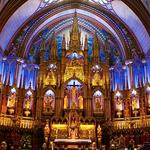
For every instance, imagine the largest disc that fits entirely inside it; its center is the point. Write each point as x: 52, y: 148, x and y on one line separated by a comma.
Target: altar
x: 73, y: 143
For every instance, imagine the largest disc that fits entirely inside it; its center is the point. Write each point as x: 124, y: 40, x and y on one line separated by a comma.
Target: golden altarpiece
x: 73, y: 92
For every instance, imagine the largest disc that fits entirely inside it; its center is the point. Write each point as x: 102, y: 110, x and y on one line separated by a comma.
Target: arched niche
x: 11, y: 103
x: 49, y: 101
x: 73, y: 94
x: 28, y: 103
x: 148, y: 99
x: 135, y: 105
x: 119, y: 105
x: 98, y: 102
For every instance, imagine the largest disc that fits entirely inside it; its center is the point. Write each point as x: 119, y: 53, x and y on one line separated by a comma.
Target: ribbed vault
x: 92, y: 17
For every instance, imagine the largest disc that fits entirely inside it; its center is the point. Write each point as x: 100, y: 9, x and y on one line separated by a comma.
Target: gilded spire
x: 86, y: 43
x: 63, y: 43
x: 53, y: 48
x: 43, y: 48
x: 86, y: 51
x: 63, y: 49
x: 106, y: 52
x: 75, y: 35
x: 96, y: 50
x: 75, y: 28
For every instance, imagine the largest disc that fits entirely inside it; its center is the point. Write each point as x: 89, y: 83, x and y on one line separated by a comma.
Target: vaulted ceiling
x: 124, y: 21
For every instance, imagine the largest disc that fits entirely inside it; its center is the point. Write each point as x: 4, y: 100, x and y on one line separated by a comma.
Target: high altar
x: 72, y: 124
x: 74, y: 104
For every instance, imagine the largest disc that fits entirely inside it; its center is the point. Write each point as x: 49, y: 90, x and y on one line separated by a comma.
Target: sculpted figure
x: 11, y: 100
x: 66, y: 102
x: 134, y: 103
x: 80, y: 98
x: 48, y: 100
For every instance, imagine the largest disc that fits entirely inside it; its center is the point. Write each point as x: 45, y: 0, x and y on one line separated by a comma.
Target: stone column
x: 59, y: 99
x: 88, y: 100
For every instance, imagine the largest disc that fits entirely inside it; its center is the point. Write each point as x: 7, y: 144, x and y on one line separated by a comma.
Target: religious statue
x: 118, y: 102
x: 74, y: 93
x: 73, y: 133
x: 80, y: 99
x: 28, y: 103
x: 97, y: 80
x: 134, y: 103
x: 11, y: 103
x: 73, y: 121
x: 148, y: 99
x: 11, y: 100
x: 48, y: 100
x: 98, y: 106
x: 66, y: 102
x: 99, y: 134
x: 119, y: 105
x: 46, y: 131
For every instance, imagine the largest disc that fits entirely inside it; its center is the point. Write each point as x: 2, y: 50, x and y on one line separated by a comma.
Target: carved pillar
x: 107, y: 100
x: 59, y: 99
x: 16, y: 102
x: 142, y: 101
x: 130, y: 76
x: 127, y: 107
x: 1, y: 86
x: 88, y: 100
x: 146, y: 100
x: 21, y: 95
x: 112, y: 105
x: 34, y: 105
x: 39, y: 103
x: 107, y: 93
x: 5, y: 92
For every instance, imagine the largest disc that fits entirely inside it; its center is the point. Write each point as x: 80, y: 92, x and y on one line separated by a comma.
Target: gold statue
x: 118, y: 104
x: 98, y: 106
x: 80, y: 99
x: 134, y: 103
x: 66, y: 102
x: 46, y: 131
x: 96, y: 80
x: 11, y: 101
x: 48, y: 100
x: 74, y: 92
x: 28, y: 104
x: 148, y: 99
x: 99, y: 134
